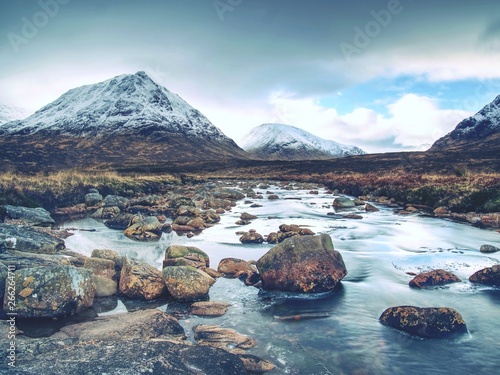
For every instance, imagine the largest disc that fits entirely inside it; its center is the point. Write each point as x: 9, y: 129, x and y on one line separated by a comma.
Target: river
x: 348, y: 339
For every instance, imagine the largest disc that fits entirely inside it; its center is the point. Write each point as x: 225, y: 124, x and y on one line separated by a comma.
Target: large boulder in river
x: 427, y: 322
x: 32, y: 216
x: 232, y: 266
x: 488, y: 249
x: 51, y: 291
x: 27, y: 239
x: 140, y: 280
x: 307, y: 264
x: 179, y: 251
x: 434, y: 278
x: 186, y: 283
x: 487, y: 276
x: 343, y: 202
x: 146, y: 229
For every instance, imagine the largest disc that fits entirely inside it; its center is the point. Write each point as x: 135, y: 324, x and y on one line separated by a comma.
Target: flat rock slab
x: 209, y: 308
x: 427, y: 322
x: 27, y: 239
x: 33, y: 216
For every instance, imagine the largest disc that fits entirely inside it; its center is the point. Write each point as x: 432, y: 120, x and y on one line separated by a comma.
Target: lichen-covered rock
x: 209, y: 308
x: 307, y: 264
x: 33, y: 216
x: 116, y: 201
x: 427, y: 322
x: 122, y: 221
x: 51, y: 291
x: 210, y: 216
x: 186, y: 283
x: 343, y: 202
x: 179, y: 251
x: 27, y: 239
x: 222, y: 337
x: 251, y: 237
x: 230, y: 194
x: 140, y: 280
x: 110, y: 255
x: 434, y: 278
x: 104, y: 276
x: 488, y: 249
x: 93, y: 199
x: 245, y: 216
x: 487, y: 276
x: 179, y: 201
x: 146, y: 229
x: 231, y: 266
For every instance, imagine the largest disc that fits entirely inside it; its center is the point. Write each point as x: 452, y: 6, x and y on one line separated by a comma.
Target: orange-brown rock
x: 434, y: 278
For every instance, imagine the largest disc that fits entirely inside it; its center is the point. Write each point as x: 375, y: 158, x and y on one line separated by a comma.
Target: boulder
x: 142, y: 324
x: 116, y: 201
x: 427, y: 322
x: 251, y: 237
x: 110, y: 255
x: 442, y: 211
x: 122, y: 221
x: 434, y: 278
x: 93, y: 199
x: 209, y: 308
x: 197, y: 223
x: 186, y: 283
x: 307, y: 264
x: 104, y: 276
x: 210, y: 216
x: 192, y: 259
x: 245, y: 216
x: 104, y: 286
x: 140, y: 280
x: 177, y: 202
x: 52, y: 291
x: 146, y: 229
x: 343, y: 202
x: 189, y: 211
x: 229, y: 194
x: 27, y: 239
x: 487, y: 276
x: 33, y: 216
x: 371, y: 208
x: 273, y: 197
x: 231, y: 266
x: 106, y: 212
x: 179, y: 251
x: 222, y: 337
x: 488, y: 249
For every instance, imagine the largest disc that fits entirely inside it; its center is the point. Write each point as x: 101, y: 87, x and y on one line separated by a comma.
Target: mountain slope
x: 8, y: 114
x: 127, y: 121
x: 480, y: 130
x: 285, y: 142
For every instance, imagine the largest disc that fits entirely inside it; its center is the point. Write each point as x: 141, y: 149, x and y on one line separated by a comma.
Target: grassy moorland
x: 464, y: 182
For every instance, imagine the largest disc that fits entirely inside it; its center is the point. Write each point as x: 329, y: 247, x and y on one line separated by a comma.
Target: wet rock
x: 33, y: 216
x: 433, y: 278
x: 442, y: 211
x: 256, y: 365
x: 52, y: 291
x: 487, y: 276
x: 93, y: 199
x: 210, y: 216
x: 249, y: 278
x: 343, y: 202
x: 307, y: 264
x: 209, y: 308
x: 147, y: 229
x: 140, y: 280
x: 245, y: 216
x: 230, y: 194
x: 110, y: 255
x: 182, y: 220
x: 371, y: 208
x: 188, y: 211
x: 186, y: 283
x: 122, y: 221
x: 142, y: 324
x: 231, y: 266
x: 222, y: 337
x: 488, y: 249
x: 179, y: 251
x: 251, y: 237
x: 273, y: 197
x: 352, y: 216
x: 430, y: 322
x: 116, y: 201
x: 197, y: 223
x: 27, y: 239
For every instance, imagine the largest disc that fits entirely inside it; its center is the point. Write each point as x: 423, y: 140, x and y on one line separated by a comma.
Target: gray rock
x: 52, y: 291
x: 33, y: 216
x: 343, y: 202
x: 27, y: 239
x: 116, y: 201
x: 93, y: 199
x: 122, y: 221
x: 488, y: 249
x: 230, y: 194
x: 306, y: 264
x: 146, y: 229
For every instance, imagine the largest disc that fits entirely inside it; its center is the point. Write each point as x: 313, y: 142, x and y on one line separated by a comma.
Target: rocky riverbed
x: 237, y: 277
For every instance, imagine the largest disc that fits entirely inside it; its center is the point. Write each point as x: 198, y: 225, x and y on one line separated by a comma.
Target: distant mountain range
x: 481, y: 131
x: 126, y: 121
x: 8, y: 114
x: 285, y: 142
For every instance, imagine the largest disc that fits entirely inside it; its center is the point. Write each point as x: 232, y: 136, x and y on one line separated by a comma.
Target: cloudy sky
x: 383, y: 75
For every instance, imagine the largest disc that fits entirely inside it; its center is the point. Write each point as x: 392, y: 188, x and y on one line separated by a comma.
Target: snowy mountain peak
x: 279, y: 141
x: 484, y: 125
x: 8, y: 114
x: 129, y: 103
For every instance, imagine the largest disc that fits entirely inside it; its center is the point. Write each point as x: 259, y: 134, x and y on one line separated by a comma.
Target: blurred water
x: 346, y: 336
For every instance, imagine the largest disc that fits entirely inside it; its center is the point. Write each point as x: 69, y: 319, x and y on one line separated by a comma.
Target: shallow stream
x: 348, y: 338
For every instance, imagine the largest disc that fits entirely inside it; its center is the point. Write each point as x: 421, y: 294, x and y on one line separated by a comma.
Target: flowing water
x: 347, y: 337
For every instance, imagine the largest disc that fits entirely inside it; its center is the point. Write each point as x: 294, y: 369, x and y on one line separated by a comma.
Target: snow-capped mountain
x: 127, y: 120
x: 483, y: 127
x: 8, y: 114
x: 285, y: 142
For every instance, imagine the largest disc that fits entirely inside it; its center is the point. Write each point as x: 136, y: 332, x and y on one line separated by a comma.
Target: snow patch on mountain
x: 283, y: 139
x: 124, y: 104
x: 8, y: 114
